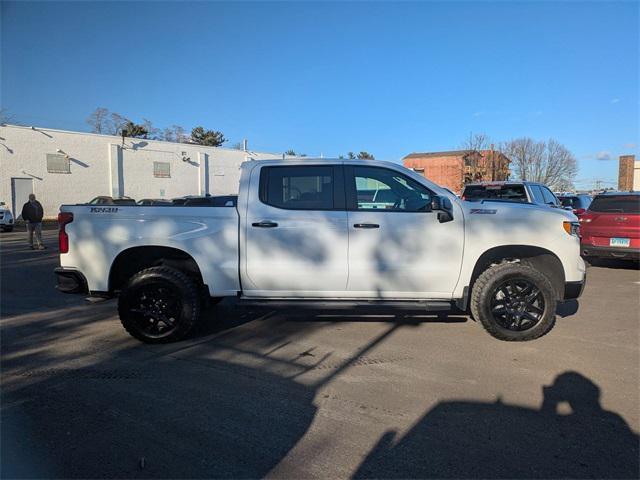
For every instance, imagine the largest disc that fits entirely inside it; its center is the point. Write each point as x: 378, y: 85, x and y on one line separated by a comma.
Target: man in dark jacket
x: 32, y: 213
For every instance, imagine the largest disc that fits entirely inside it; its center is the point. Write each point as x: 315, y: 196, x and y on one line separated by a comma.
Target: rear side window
x: 573, y: 202
x: 616, y: 204
x: 513, y: 193
x: 298, y: 187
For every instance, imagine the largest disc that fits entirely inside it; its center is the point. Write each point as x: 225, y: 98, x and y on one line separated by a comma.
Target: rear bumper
x: 71, y: 281
x: 610, y: 252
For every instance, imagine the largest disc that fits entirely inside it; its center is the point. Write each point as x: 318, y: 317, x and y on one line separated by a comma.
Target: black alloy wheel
x: 517, y: 304
x: 158, y: 310
x: 160, y: 305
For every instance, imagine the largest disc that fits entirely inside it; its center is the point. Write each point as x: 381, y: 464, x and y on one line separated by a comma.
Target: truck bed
x: 99, y: 235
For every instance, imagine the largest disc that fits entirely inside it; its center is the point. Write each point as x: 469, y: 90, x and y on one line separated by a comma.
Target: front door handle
x: 366, y: 225
x: 264, y: 224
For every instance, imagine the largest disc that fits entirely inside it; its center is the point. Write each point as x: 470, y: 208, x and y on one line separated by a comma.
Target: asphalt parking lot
x: 314, y: 395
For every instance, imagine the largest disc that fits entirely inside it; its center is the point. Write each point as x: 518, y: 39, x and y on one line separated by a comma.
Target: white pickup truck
x: 325, y: 232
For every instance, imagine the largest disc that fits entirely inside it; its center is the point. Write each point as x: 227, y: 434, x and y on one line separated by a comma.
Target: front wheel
x: 514, y: 302
x: 159, y: 305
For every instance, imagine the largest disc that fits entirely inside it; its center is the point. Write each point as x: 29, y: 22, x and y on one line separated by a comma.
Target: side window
x: 549, y: 197
x: 537, y: 194
x: 297, y: 187
x: 383, y: 189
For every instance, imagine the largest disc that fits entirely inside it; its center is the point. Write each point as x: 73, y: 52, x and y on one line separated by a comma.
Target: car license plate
x: 619, y: 242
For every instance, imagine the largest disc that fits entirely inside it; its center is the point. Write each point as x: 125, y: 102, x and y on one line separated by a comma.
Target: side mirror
x: 443, y: 206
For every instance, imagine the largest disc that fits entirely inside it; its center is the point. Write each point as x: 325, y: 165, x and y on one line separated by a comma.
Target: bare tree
x: 476, y: 142
x: 180, y: 134
x: 474, y: 145
x: 548, y: 162
x: 99, y: 120
x: 116, y: 123
x: 153, y: 133
x: 168, y: 135
x: 174, y: 133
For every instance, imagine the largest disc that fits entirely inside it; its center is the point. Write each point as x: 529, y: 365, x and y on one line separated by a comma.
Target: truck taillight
x: 63, y: 239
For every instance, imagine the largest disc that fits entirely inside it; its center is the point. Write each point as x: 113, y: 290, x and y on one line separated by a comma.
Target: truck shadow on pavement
x: 462, y: 439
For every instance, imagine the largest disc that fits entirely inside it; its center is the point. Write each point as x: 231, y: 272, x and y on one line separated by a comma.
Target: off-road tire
x: 186, y: 289
x: 485, y: 287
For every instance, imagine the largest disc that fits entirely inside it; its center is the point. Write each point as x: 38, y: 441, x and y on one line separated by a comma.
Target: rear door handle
x: 366, y: 225
x: 264, y: 224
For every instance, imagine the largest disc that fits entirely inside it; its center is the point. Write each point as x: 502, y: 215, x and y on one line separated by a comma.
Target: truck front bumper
x: 573, y: 290
x: 71, y: 281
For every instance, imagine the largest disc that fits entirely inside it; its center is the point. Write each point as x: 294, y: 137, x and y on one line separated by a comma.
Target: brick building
x: 455, y: 168
x: 628, y: 173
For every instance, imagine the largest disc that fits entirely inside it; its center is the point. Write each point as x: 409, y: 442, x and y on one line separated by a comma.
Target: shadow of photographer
x: 495, y: 440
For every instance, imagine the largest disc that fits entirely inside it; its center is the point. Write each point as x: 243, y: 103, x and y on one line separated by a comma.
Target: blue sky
x: 331, y: 77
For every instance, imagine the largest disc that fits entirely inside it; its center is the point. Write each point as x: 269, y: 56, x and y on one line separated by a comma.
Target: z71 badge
x: 104, y: 209
x: 483, y: 211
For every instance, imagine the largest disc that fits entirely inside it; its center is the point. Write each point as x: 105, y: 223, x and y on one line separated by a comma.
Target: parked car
x: 206, y: 201
x: 610, y: 228
x: 6, y: 218
x: 106, y: 200
x: 154, y: 201
x: 301, y: 235
x: 577, y: 203
x: 522, y: 192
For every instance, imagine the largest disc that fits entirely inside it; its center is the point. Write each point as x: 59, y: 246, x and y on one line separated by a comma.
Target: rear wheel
x: 159, y: 305
x: 514, y: 302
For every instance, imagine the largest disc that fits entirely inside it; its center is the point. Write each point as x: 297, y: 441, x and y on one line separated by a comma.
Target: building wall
x: 102, y: 165
x: 444, y: 171
x: 451, y: 171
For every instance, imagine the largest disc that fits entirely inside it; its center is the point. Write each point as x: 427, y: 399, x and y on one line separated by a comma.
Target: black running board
x: 331, y: 304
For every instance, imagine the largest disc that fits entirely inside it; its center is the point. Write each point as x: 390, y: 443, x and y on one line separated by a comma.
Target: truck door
x: 295, y: 232
x: 397, y: 248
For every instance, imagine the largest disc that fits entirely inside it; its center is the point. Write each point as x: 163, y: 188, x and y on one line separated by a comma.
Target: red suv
x: 610, y: 228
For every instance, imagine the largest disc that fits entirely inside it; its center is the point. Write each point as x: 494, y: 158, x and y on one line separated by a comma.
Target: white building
x: 73, y: 167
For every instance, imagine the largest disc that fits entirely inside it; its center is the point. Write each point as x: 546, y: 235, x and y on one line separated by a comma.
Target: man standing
x: 32, y: 213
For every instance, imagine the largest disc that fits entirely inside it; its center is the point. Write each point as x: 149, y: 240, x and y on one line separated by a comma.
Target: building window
x: 162, y: 169
x: 57, y: 163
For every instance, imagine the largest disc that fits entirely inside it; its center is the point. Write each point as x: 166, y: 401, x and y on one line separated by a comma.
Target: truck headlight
x: 572, y: 228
